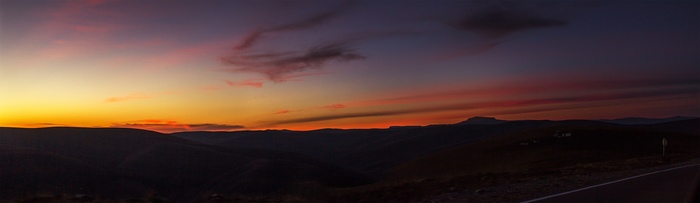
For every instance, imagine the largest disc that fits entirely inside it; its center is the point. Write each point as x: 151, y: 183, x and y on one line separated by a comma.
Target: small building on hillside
x: 560, y: 134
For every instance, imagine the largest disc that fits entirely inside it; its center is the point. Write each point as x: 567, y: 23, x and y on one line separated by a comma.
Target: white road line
x: 589, y: 187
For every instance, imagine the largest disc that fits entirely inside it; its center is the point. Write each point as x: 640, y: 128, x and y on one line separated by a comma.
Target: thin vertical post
x: 663, y: 149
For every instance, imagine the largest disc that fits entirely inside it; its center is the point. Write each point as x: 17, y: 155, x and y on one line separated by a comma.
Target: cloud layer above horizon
x: 232, y: 65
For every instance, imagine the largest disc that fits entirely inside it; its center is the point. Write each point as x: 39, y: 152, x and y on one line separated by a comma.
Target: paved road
x: 672, y: 185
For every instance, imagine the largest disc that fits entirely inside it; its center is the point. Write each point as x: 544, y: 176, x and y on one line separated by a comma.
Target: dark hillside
x: 370, y: 152
x: 121, y: 164
x: 538, y: 148
x: 539, y: 155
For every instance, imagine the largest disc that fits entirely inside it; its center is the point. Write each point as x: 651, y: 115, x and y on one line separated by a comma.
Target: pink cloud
x: 75, y: 28
x: 167, y: 126
x: 88, y: 27
x: 299, y: 77
x: 127, y: 97
x: 334, y: 106
x: 282, y: 111
x: 247, y: 83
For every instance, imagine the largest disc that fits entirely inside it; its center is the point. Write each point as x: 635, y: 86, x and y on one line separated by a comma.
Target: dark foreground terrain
x: 480, y: 159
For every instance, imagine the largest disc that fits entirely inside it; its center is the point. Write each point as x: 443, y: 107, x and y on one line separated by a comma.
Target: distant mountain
x: 645, y: 121
x: 481, y: 121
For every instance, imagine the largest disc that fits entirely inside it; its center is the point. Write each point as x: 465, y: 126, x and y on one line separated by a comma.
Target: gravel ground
x: 531, y: 185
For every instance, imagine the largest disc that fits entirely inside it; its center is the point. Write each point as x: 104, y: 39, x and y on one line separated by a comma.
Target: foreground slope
x: 539, y: 148
x: 509, y: 166
x: 128, y: 163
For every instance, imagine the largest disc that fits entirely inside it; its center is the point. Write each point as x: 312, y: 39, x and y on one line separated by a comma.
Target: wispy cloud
x: 306, y: 23
x: 493, y: 23
x: 275, y: 66
x: 40, y: 125
x: 247, y: 83
x: 127, y: 97
x: 215, y: 127
x: 626, y: 92
x: 300, y: 77
x: 331, y: 107
x: 174, y: 126
x: 553, y: 84
x: 280, y: 66
x: 334, y: 106
x: 496, y: 22
x: 283, y: 111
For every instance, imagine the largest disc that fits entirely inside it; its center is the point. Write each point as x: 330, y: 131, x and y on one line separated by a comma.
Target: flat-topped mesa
x: 480, y: 120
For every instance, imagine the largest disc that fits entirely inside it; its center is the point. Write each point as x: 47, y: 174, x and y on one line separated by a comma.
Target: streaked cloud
x: 573, y: 100
x: 247, y: 83
x: 283, y: 111
x: 309, y: 22
x: 276, y: 65
x: 539, y: 85
x: 41, y: 125
x: 174, y: 126
x: 127, y: 97
x: 331, y: 107
x: 280, y: 65
x: 495, y: 22
x: 334, y: 106
x: 499, y: 21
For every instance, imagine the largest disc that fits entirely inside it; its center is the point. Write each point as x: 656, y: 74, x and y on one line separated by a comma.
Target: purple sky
x: 228, y: 65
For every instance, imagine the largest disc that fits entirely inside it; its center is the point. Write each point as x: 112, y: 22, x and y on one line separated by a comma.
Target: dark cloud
x: 249, y: 40
x: 496, y: 22
x: 340, y: 116
x: 174, y: 126
x: 276, y: 65
x: 209, y: 126
x: 34, y: 125
x: 306, y: 23
x: 493, y: 21
x: 579, y: 101
x: 279, y: 66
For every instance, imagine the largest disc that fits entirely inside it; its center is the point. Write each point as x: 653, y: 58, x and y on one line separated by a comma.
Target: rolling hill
x: 537, y: 149
x: 130, y: 164
x: 323, y: 165
x: 370, y: 152
x: 590, y: 148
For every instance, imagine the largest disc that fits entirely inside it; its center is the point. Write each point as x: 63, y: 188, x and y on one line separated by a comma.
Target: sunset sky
x: 234, y: 65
